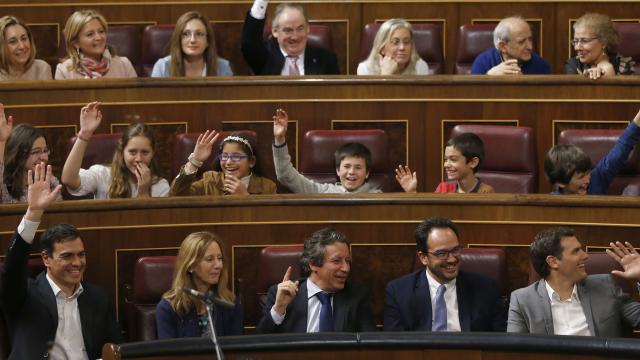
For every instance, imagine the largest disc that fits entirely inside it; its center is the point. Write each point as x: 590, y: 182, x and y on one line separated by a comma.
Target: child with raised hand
x: 353, y: 161
x: 237, y: 170
x: 21, y: 149
x: 569, y: 169
x: 132, y: 172
x: 463, y: 156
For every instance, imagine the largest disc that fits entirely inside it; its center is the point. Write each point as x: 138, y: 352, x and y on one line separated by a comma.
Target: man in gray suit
x: 568, y: 302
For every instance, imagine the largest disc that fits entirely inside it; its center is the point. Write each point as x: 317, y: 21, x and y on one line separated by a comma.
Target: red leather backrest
x: 510, y: 163
x: 472, y: 40
x: 152, y: 277
x: 100, y: 149
x: 630, y: 42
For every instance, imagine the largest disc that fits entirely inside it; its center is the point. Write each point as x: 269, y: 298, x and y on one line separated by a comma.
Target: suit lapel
x: 545, y: 305
x: 464, y: 303
x: 585, y: 301
x: 421, y: 303
x: 300, y: 309
x: 341, y: 310
x: 310, y: 62
x: 48, y: 298
x: 86, y: 320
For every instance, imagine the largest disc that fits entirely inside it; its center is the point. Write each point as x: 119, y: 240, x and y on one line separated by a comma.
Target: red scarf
x: 92, y: 69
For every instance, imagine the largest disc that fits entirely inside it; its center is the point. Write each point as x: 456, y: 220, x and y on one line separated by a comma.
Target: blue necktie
x: 440, y: 315
x: 326, y: 312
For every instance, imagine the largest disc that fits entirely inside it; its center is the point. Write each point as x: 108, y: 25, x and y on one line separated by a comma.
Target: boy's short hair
x: 470, y: 145
x: 563, y: 161
x: 353, y: 150
x: 56, y: 234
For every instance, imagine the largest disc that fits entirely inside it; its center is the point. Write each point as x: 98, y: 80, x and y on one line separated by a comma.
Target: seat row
x: 510, y: 164
x: 145, y: 49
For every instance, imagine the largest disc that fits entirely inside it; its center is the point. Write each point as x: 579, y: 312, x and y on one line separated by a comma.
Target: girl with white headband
x: 236, y: 171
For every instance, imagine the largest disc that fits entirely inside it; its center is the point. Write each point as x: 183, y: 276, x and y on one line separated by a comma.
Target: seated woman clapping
x: 394, y: 52
x: 132, y: 173
x: 18, y: 52
x: 237, y: 170
x: 199, y: 266
x: 193, y: 50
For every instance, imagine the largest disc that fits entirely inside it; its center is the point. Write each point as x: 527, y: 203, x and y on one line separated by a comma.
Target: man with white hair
x: 513, y: 52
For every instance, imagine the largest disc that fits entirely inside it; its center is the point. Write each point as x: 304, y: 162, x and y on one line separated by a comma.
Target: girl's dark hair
x: 249, y: 150
x: 16, y: 153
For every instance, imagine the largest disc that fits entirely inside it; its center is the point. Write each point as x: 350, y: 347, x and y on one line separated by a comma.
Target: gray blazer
x: 609, y: 311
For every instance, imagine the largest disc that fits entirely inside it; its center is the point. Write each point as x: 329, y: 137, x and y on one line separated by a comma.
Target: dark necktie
x: 440, y: 315
x: 326, y: 312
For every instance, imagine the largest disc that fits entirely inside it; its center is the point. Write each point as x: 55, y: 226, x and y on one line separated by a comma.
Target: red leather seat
x: 630, y: 42
x: 472, y: 40
x: 152, y: 277
x: 126, y: 39
x: 428, y: 40
x: 596, y: 143
x: 318, y: 146
x: 491, y: 263
x: 319, y: 36
x: 273, y: 263
x: 185, y: 143
x: 510, y: 164
x: 597, y: 263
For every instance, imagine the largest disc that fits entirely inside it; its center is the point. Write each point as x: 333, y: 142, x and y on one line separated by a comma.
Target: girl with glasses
x: 133, y: 172
x: 193, y: 50
x: 21, y: 148
x: 594, y: 41
x: 236, y: 169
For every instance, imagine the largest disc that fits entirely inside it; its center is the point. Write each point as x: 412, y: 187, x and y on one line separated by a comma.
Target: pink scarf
x: 92, y: 69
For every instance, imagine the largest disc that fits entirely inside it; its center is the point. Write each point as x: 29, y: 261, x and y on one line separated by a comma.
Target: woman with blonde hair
x: 18, y: 52
x: 595, y: 39
x: 394, y: 52
x: 133, y: 172
x: 193, y: 50
x: 199, y: 266
x: 88, y: 54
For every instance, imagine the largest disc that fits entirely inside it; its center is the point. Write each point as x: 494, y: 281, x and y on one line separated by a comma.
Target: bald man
x: 513, y: 52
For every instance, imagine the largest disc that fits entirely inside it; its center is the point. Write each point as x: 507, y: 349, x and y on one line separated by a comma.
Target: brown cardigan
x: 212, y: 183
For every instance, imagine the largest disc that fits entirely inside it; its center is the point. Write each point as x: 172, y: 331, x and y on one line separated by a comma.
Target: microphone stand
x: 212, y: 329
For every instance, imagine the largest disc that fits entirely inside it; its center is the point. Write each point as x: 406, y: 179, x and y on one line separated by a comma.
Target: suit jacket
x: 609, y: 311
x: 170, y: 324
x: 408, y: 303
x: 351, y: 311
x: 265, y: 58
x: 32, y: 315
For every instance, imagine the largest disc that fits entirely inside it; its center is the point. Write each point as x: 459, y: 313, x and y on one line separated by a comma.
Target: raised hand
x: 143, y: 176
x: 6, y: 124
x: 90, y: 118
x: 204, y: 145
x: 627, y: 256
x: 507, y: 67
x: 235, y: 186
x: 286, y: 292
x: 407, y: 179
x: 280, y: 121
x: 39, y: 193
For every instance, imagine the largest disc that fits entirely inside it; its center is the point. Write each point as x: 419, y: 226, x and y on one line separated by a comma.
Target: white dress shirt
x: 568, y: 316
x: 69, y: 338
x: 300, y: 63
x: 313, y: 309
x: 450, y: 297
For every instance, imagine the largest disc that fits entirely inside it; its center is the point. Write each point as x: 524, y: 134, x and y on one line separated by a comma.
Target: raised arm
x: 407, y: 179
x: 90, y: 118
x: 627, y: 256
x: 280, y: 123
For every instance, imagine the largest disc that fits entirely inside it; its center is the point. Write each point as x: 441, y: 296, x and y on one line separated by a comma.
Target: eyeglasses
x: 38, y: 152
x: 582, y: 41
x: 444, y: 254
x: 186, y: 35
x: 232, y: 156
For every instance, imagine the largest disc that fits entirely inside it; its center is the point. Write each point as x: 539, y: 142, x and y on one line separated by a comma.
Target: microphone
x: 208, y: 298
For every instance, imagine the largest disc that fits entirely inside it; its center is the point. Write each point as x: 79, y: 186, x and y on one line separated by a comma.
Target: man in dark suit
x: 441, y: 298
x: 287, y: 53
x: 568, y: 302
x: 324, y: 301
x: 56, y: 315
